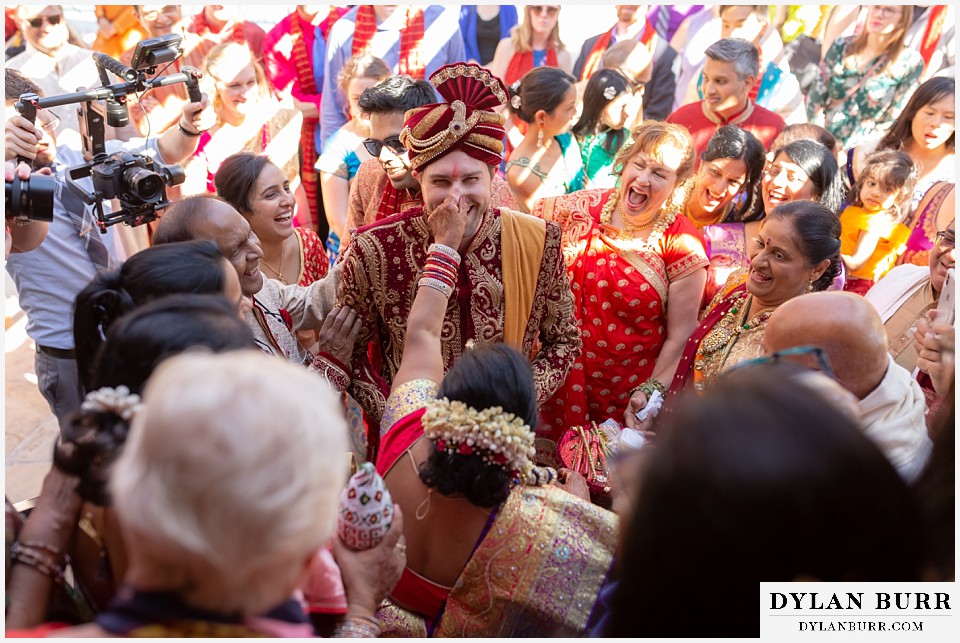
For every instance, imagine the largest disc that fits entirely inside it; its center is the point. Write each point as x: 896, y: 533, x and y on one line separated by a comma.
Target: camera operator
x: 22, y: 236
x: 49, y: 278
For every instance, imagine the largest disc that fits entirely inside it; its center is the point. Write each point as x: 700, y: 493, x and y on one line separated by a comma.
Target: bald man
x: 847, y: 327
x: 278, y: 310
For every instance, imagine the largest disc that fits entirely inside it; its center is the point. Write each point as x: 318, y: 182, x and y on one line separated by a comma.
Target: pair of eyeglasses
x: 798, y: 354
x: 541, y: 9
x: 48, y: 120
x: 37, y: 22
x: 946, y: 239
x: 153, y: 14
x: 888, y: 11
x: 392, y: 143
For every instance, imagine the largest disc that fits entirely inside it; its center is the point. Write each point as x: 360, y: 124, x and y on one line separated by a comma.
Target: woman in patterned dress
x: 485, y: 528
x: 865, y: 80
x: 629, y: 250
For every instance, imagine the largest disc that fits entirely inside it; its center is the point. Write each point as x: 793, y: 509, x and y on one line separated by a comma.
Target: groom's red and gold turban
x: 464, y: 123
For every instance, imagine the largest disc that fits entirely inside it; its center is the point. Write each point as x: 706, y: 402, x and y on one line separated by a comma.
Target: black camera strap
x: 86, y: 228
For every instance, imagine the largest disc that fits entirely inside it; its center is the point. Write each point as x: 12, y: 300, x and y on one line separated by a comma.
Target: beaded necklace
x: 716, y: 346
x: 663, y: 220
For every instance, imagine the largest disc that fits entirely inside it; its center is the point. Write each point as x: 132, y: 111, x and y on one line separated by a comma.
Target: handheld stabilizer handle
x: 27, y: 107
x: 115, y: 66
x: 193, y: 84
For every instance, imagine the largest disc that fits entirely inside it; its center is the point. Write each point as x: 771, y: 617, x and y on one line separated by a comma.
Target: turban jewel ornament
x: 465, y: 122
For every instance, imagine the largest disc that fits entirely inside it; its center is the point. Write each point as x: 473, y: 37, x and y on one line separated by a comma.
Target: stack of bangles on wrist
x: 46, y: 559
x: 649, y: 387
x: 440, y: 270
x: 357, y: 627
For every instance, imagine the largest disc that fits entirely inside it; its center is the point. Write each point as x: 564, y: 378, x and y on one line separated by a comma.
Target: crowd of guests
x: 725, y: 229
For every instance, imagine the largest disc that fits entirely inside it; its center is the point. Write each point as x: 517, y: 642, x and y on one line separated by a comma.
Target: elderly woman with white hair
x: 219, y: 547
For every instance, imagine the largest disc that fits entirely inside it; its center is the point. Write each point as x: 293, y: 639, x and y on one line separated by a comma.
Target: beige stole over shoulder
x: 521, y: 243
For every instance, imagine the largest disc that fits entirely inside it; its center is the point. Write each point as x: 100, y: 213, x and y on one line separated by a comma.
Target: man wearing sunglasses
x: 891, y: 404
x: 384, y: 185
x: 57, y: 66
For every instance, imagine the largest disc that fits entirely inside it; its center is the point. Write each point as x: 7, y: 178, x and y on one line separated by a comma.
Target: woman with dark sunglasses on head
x: 535, y: 42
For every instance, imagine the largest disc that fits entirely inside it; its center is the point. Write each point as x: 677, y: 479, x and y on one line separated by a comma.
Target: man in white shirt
x: 53, y: 63
x: 846, y: 326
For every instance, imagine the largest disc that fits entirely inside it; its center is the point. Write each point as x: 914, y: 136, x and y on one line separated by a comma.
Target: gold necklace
x: 630, y: 227
x: 606, y: 215
x: 278, y: 273
x: 703, y: 224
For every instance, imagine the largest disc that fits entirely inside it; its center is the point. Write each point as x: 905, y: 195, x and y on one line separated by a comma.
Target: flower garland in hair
x: 119, y: 401
x: 501, y: 439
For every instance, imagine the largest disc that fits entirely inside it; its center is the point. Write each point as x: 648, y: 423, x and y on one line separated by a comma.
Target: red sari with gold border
x: 620, y: 298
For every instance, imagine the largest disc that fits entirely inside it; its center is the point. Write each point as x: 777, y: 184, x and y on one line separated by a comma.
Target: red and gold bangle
x: 446, y: 260
x: 435, y: 273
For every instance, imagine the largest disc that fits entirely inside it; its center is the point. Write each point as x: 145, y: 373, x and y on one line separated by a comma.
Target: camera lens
x: 31, y: 198
x: 144, y: 184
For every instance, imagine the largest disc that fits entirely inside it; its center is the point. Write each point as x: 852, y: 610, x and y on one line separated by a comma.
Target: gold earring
x: 540, y: 135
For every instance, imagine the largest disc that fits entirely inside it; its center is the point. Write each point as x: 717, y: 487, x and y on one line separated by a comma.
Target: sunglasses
x: 392, y: 143
x: 797, y: 355
x: 946, y: 239
x: 48, y: 120
x: 37, y: 22
x: 541, y: 9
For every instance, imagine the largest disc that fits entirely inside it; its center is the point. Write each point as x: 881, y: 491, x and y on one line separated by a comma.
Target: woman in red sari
x: 629, y: 250
x: 487, y: 528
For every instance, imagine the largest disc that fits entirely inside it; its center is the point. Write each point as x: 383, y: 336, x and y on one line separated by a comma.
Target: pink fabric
x: 398, y: 439
x: 323, y: 592
x: 278, y: 58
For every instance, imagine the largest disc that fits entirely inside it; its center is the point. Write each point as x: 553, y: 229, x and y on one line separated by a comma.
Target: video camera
x: 135, y: 180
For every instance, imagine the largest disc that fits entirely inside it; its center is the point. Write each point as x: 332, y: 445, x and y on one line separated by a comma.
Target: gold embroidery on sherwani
x: 380, y: 280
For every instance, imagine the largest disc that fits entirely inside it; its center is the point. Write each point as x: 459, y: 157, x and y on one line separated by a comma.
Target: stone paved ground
x: 29, y: 426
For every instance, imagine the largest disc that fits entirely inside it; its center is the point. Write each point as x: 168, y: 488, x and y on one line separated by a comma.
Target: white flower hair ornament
x: 515, y: 90
x: 499, y: 438
x: 609, y: 92
x: 119, y: 401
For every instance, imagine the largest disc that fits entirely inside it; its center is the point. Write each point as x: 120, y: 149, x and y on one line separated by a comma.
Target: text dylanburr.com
x: 802, y: 610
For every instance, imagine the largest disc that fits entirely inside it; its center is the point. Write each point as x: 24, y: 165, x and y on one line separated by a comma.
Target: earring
x: 540, y: 135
